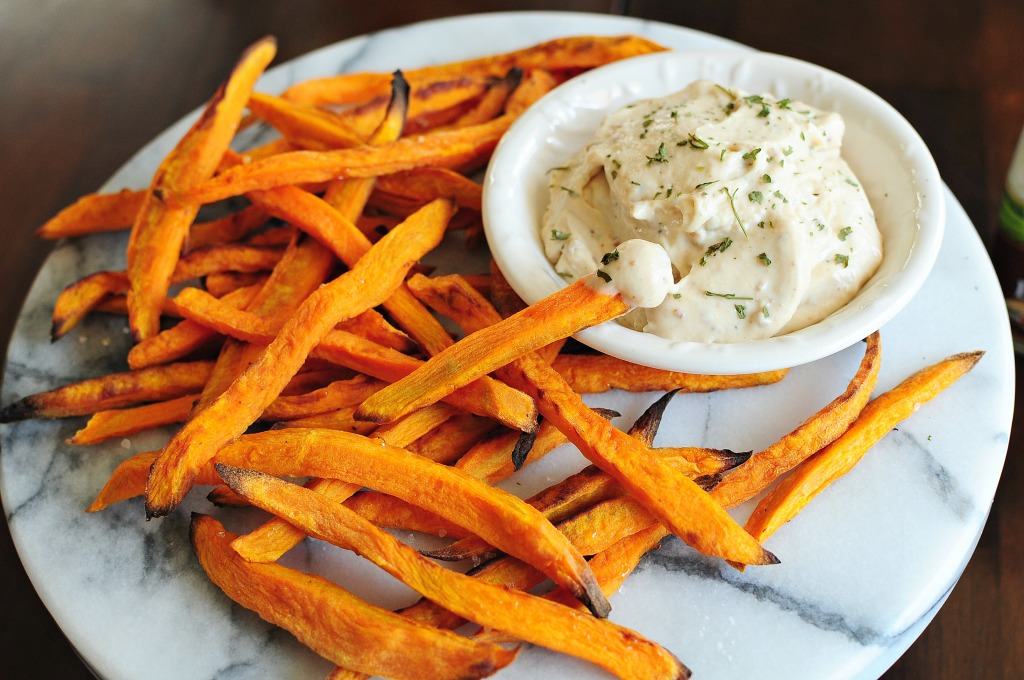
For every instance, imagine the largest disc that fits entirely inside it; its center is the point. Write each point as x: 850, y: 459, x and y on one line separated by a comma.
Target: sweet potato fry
x: 104, y: 425
x: 336, y: 624
x: 661, y: 487
x: 499, y: 517
x: 445, y: 148
x: 303, y: 126
x: 815, y: 433
x: 367, y: 284
x: 373, y: 326
x: 484, y: 396
x: 233, y: 257
x: 322, y: 221
x: 493, y: 100
x: 334, y: 396
x: 532, y: 619
x: 589, y: 373
x: 276, y: 537
x: 591, y: 486
x: 577, y: 52
x: 114, y: 390
x: 425, y: 184
x: 86, y: 294
x: 603, y: 643
x: 184, y: 338
x: 339, y: 419
x: 557, y: 316
x: 81, y: 297
x: 391, y: 513
x: 533, y: 86
x: 159, y: 229
x: 877, y: 419
x: 403, y: 433
x: 226, y: 229
x: 302, y: 269
x: 274, y: 236
x: 220, y: 284
x: 816, y: 428
x: 431, y: 104
x: 95, y: 213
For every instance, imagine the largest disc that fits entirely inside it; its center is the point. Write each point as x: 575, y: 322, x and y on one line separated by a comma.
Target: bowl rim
x: 537, y: 279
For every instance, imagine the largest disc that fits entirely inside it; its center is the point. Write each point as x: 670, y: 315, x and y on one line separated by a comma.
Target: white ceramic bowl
x: 890, y: 159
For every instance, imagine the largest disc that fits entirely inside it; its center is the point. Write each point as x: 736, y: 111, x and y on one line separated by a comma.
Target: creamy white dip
x: 766, y: 227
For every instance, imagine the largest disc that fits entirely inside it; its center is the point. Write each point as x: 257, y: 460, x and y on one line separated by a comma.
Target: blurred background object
x: 86, y: 84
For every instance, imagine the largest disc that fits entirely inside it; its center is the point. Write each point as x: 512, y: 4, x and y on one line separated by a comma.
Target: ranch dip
x: 764, y: 225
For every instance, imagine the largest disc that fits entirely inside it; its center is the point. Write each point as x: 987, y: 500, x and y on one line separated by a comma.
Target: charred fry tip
x: 19, y: 410
x: 768, y: 558
x: 592, y: 597
x: 971, y: 357
x: 709, y: 482
x: 733, y: 459
x: 235, y: 477
x: 514, y: 77
x: 607, y: 413
x: 444, y: 554
x: 399, y: 94
x: 56, y: 330
x: 646, y: 426
x: 524, y: 444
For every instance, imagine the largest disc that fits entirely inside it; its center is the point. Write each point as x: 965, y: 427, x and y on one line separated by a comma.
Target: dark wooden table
x: 87, y: 83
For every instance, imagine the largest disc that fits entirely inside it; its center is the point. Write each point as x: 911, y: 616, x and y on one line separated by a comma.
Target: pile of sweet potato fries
x: 309, y: 317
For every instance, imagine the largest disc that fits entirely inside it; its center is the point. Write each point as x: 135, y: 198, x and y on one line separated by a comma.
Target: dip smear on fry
x: 766, y: 225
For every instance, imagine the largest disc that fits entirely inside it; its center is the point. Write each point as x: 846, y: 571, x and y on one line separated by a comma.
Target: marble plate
x: 863, y: 570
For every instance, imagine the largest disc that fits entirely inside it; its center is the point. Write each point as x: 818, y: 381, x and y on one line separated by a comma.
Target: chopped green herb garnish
x: 802, y: 138
x: 727, y: 296
x: 560, y: 167
x: 752, y: 154
x: 677, y: 295
x: 568, y: 191
x: 604, y: 276
x: 660, y: 157
x: 851, y: 182
x: 559, y: 235
x: 714, y: 249
x: 755, y: 196
x: 764, y: 259
x: 634, y: 183
x: 764, y: 312
x: 753, y: 99
x: 615, y: 173
x: 565, y: 275
x: 787, y: 151
x: 820, y: 225
x: 766, y: 178
x: 763, y: 113
x: 735, y: 214
x: 721, y: 156
x: 704, y: 184
x: 844, y: 232
x: 843, y: 260
x: 697, y: 143
x: 741, y: 311
x: 608, y: 258
x: 673, y: 114
x: 778, y: 194
x: 726, y: 90
x: 784, y: 103
x: 648, y: 121
x: 668, y: 194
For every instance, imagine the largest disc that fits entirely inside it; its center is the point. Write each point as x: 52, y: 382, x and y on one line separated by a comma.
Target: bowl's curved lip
x: 533, y: 277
